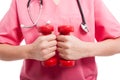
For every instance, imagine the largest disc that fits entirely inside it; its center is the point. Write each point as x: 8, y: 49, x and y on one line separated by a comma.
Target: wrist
x: 26, y: 51
x: 89, y: 49
x: 97, y: 49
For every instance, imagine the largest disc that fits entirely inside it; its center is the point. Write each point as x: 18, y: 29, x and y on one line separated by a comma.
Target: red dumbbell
x: 65, y: 30
x: 46, y: 30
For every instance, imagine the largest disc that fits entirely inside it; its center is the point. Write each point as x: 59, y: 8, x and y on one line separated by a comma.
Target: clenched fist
x: 43, y: 48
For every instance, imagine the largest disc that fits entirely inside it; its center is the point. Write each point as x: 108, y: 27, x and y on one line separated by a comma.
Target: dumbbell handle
x: 66, y: 30
x: 46, y: 30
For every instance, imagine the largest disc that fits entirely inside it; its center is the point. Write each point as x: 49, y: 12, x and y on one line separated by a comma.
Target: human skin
x: 72, y: 48
x: 69, y: 47
x: 41, y: 49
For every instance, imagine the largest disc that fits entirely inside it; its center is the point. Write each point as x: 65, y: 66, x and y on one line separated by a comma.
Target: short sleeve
x: 106, y: 26
x: 10, y: 32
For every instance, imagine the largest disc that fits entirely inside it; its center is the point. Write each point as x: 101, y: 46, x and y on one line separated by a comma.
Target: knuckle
x: 66, y: 51
x: 55, y: 42
x: 53, y: 36
x: 53, y: 53
x: 68, y: 57
x: 43, y: 45
x: 68, y: 45
x: 54, y: 48
x: 67, y: 38
x: 44, y: 51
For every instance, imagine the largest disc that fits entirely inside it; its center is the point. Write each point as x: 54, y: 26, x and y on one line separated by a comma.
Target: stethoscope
x: 83, y: 24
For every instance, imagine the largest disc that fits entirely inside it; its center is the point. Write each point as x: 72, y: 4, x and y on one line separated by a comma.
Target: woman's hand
x: 71, y: 48
x: 43, y: 48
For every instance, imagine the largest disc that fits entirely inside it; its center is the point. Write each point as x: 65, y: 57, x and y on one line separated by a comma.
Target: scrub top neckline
x: 56, y: 2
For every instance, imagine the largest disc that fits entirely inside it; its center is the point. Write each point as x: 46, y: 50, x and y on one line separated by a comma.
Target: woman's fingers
x: 46, y: 57
x: 48, y: 50
x: 62, y: 38
x: 47, y: 37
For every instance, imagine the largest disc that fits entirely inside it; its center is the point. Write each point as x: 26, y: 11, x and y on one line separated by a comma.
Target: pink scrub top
x: 101, y: 24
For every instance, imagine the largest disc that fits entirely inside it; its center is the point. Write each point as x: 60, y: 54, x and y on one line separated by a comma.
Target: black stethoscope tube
x: 81, y: 12
x: 28, y: 4
x: 83, y: 24
x: 28, y: 8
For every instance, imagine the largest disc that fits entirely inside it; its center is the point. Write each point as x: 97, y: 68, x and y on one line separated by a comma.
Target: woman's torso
x: 65, y: 13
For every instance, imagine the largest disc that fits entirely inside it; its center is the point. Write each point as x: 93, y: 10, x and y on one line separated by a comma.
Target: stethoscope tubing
x: 83, y: 25
x: 40, y: 11
x: 28, y: 4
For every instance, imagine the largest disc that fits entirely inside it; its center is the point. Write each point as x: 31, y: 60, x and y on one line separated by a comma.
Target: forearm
x: 9, y: 52
x: 41, y: 49
x: 105, y: 48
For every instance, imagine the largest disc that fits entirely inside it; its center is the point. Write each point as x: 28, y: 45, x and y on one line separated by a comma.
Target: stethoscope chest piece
x: 84, y: 28
x: 83, y: 24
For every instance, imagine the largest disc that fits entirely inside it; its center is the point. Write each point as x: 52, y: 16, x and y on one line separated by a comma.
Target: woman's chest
x: 66, y: 12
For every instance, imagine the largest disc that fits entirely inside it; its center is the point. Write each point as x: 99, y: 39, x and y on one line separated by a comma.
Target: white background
x: 108, y: 67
